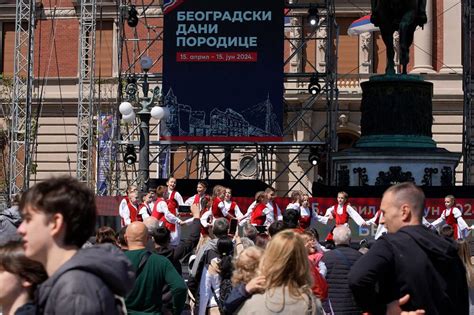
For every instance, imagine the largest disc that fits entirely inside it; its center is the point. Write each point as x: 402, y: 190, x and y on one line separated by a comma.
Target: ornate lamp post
x: 148, y: 107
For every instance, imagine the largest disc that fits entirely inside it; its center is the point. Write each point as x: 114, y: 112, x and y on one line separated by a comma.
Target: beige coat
x: 279, y: 301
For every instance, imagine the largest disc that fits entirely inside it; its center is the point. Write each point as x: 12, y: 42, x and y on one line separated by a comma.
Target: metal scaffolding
x: 85, y: 108
x: 468, y: 123
x: 266, y: 161
x: 20, y: 128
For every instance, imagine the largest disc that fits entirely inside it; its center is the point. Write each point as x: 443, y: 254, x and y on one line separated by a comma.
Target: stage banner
x: 223, y: 70
x: 105, y: 152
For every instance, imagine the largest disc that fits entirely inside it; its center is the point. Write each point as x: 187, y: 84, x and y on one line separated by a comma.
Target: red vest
x: 341, y: 218
x: 133, y: 211
x: 451, y: 220
x: 205, y: 231
x: 172, y: 203
x: 197, y: 199
x: 305, y: 221
x: 232, y: 209
x: 143, y: 204
x: 216, y: 212
x: 161, y: 216
x: 258, y: 216
x: 155, y: 213
x: 275, y: 211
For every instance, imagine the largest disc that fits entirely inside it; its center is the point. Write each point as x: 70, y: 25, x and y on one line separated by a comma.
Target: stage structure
x: 269, y: 162
x: 20, y: 110
x: 85, y: 106
x: 468, y: 87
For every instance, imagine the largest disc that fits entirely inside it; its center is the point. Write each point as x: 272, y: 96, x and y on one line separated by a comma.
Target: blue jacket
x: 236, y: 299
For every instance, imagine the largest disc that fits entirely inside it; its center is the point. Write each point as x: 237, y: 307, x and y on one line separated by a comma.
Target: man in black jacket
x: 162, y: 239
x: 409, y: 260
x: 339, y: 262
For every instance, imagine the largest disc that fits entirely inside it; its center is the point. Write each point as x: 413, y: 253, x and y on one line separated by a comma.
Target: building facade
x: 436, y: 55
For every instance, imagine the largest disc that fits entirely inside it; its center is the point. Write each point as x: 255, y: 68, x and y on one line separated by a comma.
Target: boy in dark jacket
x: 58, y: 218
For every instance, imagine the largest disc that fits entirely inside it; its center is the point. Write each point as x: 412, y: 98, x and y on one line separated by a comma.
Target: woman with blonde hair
x: 464, y: 252
x: 288, y: 280
x: 245, y: 279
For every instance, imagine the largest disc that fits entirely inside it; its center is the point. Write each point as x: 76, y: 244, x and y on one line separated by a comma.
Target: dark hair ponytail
x: 225, y: 248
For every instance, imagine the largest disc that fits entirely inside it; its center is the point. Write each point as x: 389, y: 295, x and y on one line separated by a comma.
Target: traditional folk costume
x: 381, y: 229
x: 144, y: 211
x: 128, y: 212
x: 165, y: 211
x: 309, y: 217
x: 273, y: 214
x: 453, y: 217
x: 205, y: 213
x: 341, y: 216
x: 259, y: 214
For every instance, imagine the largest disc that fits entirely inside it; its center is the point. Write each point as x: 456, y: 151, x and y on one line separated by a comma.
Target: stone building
x: 436, y: 55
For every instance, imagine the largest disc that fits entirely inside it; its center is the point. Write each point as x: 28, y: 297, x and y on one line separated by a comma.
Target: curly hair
x: 246, y: 265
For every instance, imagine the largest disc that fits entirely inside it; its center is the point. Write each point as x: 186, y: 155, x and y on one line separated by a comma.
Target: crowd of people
x: 260, y: 260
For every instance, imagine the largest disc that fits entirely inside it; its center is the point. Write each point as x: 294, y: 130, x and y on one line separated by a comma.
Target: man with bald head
x: 409, y: 260
x: 153, y: 272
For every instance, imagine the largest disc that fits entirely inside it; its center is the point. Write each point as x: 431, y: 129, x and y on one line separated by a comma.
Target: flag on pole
x: 362, y: 25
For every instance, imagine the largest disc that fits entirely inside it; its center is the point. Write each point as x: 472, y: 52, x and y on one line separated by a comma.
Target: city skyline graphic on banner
x: 183, y: 121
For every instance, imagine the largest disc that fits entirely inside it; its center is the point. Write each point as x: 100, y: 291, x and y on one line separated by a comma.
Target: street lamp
x: 149, y: 107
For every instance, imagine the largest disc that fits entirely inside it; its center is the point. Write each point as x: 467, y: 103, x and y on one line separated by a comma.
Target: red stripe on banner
x: 216, y: 56
x: 222, y: 138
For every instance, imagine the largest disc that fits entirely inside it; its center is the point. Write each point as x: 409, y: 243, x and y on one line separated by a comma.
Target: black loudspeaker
x: 130, y: 157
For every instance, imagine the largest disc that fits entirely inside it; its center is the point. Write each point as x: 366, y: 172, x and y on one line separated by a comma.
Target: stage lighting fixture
x: 313, y: 16
x: 132, y: 19
x: 313, y: 157
x: 314, y: 88
x: 130, y: 157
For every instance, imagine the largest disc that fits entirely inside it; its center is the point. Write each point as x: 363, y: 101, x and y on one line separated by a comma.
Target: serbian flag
x: 361, y: 25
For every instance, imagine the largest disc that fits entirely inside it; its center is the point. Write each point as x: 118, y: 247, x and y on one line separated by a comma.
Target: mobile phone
x: 233, y: 226
x: 261, y: 228
x: 184, y: 209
